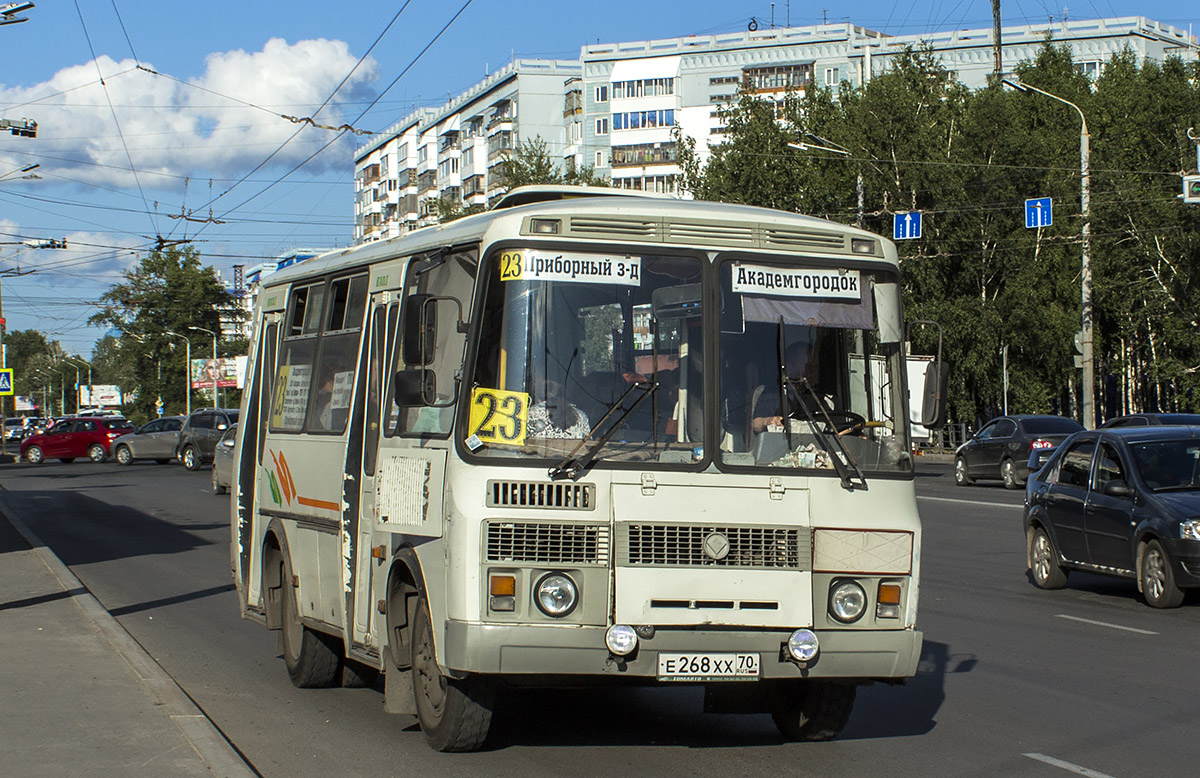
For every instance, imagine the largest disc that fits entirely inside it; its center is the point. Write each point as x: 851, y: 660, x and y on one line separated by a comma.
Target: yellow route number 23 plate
x: 499, y: 417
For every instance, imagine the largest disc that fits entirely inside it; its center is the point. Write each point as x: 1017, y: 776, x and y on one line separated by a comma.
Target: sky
x: 165, y: 119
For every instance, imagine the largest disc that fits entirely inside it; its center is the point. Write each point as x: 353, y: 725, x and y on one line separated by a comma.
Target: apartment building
x: 616, y: 108
x: 450, y: 153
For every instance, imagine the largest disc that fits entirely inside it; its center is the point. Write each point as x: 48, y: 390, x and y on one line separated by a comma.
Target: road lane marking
x: 972, y: 502
x: 1105, y: 624
x: 1074, y: 768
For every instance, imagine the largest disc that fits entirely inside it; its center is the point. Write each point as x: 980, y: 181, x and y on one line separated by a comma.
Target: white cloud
x: 178, y: 129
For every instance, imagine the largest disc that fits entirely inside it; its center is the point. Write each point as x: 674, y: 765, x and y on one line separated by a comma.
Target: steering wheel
x: 843, y: 422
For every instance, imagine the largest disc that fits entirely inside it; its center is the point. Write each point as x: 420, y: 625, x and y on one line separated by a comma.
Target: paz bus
x: 586, y: 436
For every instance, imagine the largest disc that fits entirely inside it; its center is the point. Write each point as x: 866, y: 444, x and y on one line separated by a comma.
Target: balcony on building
x: 426, y: 181
x: 501, y: 112
x: 779, y: 78
x: 449, y: 142
x: 370, y: 174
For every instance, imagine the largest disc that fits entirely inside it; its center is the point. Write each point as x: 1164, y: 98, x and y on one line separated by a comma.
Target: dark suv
x: 200, y: 433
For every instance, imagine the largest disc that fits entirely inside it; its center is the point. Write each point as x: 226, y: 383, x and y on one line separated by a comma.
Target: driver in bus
x: 557, y: 417
x: 801, y: 362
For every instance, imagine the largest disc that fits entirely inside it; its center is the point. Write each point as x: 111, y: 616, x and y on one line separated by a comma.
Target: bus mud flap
x: 398, y: 694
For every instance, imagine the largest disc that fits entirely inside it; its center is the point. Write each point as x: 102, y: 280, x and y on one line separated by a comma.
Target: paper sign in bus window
x: 796, y: 282
x: 291, y: 396
x: 527, y: 265
x: 499, y: 417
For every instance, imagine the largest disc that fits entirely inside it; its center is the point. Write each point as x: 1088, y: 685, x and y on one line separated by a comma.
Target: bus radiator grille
x: 546, y: 543
x: 681, y: 545
x: 540, y: 494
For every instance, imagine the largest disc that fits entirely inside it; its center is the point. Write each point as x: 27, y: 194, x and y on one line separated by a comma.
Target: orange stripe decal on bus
x: 311, y: 503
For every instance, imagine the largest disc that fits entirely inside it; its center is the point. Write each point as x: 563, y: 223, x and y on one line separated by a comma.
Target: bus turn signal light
x: 888, y: 601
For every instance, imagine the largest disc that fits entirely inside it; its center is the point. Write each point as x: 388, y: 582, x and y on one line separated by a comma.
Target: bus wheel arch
x: 404, y: 587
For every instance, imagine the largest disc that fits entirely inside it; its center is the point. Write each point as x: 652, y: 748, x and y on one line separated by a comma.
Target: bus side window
x: 447, y: 276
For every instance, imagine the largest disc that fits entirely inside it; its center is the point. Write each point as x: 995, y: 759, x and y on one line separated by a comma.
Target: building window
x: 468, y: 155
x: 602, y: 126
x: 1090, y: 68
x: 402, y: 154
x: 832, y: 76
x: 779, y: 77
x: 723, y: 80
x: 636, y: 120
x: 599, y: 159
x: 422, y: 153
x: 646, y: 87
x: 602, y: 93
x: 643, y: 154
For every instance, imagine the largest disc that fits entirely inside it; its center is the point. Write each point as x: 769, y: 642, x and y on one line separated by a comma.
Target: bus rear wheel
x: 812, y: 710
x: 311, y: 659
x: 455, y: 715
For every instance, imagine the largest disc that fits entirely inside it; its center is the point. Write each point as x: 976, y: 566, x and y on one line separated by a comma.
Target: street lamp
x: 26, y: 170
x: 76, y: 385
x: 1087, y: 339
x: 45, y: 401
x: 91, y: 394
x: 187, y: 371
x: 214, y: 360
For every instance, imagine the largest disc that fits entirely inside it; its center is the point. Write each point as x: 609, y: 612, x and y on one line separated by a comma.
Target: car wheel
x: 216, y: 486
x: 96, y: 453
x: 1157, y: 578
x: 960, y: 472
x: 33, y: 455
x: 1043, y: 562
x: 311, y: 660
x: 454, y: 715
x: 812, y: 710
x: 1008, y: 472
x: 191, y: 458
x: 124, y: 455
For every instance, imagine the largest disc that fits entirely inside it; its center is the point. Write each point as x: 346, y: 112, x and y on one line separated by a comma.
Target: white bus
x: 585, y: 436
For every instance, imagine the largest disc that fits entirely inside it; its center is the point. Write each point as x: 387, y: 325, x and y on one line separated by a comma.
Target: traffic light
x: 1191, y: 189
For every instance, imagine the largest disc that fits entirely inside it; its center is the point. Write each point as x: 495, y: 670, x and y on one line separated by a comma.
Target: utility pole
x: 996, y: 43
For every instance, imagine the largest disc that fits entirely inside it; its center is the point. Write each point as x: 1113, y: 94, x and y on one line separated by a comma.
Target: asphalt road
x: 1013, y: 681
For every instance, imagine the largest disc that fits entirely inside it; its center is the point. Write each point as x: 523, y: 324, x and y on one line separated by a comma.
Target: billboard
x: 229, y: 372
x: 100, y: 395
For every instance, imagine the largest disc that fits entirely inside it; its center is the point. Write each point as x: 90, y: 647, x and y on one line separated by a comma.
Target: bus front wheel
x: 812, y: 710
x: 311, y: 659
x: 455, y: 715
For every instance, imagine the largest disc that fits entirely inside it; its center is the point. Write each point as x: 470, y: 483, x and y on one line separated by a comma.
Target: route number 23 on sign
x: 499, y: 417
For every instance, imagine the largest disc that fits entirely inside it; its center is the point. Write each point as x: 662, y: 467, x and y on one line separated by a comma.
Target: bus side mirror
x: 414, y: 387
x: 933, y: 405
x: 420, y: 329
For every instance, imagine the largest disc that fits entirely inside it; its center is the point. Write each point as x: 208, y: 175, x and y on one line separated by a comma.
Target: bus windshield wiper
x: 847, y: 469
x: 573, y: 468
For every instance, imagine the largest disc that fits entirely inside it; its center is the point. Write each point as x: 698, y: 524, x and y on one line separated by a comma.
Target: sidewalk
x: 80, y: 696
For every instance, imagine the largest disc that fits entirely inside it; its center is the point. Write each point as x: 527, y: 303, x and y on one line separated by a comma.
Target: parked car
x: 1001, y: 449
x: 16, y: 428
x: 157, y: 440
x: 222, y: 469
x: 68, y: 440
x: 1151, y: 420
x: 1120, y: 502
x: 200, y: 433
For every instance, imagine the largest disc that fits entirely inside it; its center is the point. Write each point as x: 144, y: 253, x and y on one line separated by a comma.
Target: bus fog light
x: 847, y: 601
x: 556, y: 595
x: 621, y: 639
x: 803, y: 645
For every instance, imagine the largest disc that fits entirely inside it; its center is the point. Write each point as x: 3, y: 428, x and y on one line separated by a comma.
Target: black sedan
x: 1001, y: 449
x: 1122, y: 502
x: 1151, y: 420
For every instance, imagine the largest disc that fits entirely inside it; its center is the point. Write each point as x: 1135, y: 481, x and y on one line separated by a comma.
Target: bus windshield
x: 810, y: 374
x: 578, y: 347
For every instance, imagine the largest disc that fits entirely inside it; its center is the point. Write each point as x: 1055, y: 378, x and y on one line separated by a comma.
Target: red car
x: 85, y: 436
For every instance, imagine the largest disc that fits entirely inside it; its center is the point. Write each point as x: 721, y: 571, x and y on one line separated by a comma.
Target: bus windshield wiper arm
x: 573, y: 468
x: 847, y: 469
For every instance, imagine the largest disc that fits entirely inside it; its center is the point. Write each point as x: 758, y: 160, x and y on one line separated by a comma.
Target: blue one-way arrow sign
x: 1038, y: 213
x: 906, y: 226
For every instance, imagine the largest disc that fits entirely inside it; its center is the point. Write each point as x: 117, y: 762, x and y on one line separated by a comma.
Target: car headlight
x: 847, y: 601
x: 556, y: 595
x: 1190, y: 529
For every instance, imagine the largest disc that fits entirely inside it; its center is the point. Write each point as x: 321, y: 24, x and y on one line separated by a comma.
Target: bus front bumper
x: 580, y: 651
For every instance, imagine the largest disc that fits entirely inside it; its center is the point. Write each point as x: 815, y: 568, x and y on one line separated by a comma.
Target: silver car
x: 222, y: 469
x: 155, y: 440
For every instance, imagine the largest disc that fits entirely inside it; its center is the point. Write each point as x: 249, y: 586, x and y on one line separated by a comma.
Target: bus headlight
x: 847, y: 601
x: 556, y: 595
x: 621, y: 639
x: 803, y: 645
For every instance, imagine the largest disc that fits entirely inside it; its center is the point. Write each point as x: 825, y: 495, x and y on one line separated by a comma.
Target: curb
x: 210, y: 745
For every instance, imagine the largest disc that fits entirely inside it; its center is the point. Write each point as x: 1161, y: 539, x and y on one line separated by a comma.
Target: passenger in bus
x: 556, y: 417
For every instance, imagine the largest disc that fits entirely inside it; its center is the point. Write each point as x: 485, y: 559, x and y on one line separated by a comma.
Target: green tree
x: 531, y: 163
x: 168, y: 292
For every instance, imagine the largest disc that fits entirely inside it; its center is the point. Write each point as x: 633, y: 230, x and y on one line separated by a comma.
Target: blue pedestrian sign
x: 6, y: 382
x: 906, y: 226
x: 1038, y: 213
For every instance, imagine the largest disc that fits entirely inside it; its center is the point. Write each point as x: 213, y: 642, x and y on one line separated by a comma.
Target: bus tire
x: 454, y: 715
x: 311, y: 659
x: 812, y: 710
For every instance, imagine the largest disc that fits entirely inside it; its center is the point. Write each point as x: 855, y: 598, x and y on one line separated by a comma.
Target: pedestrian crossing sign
x: 6, y: 382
